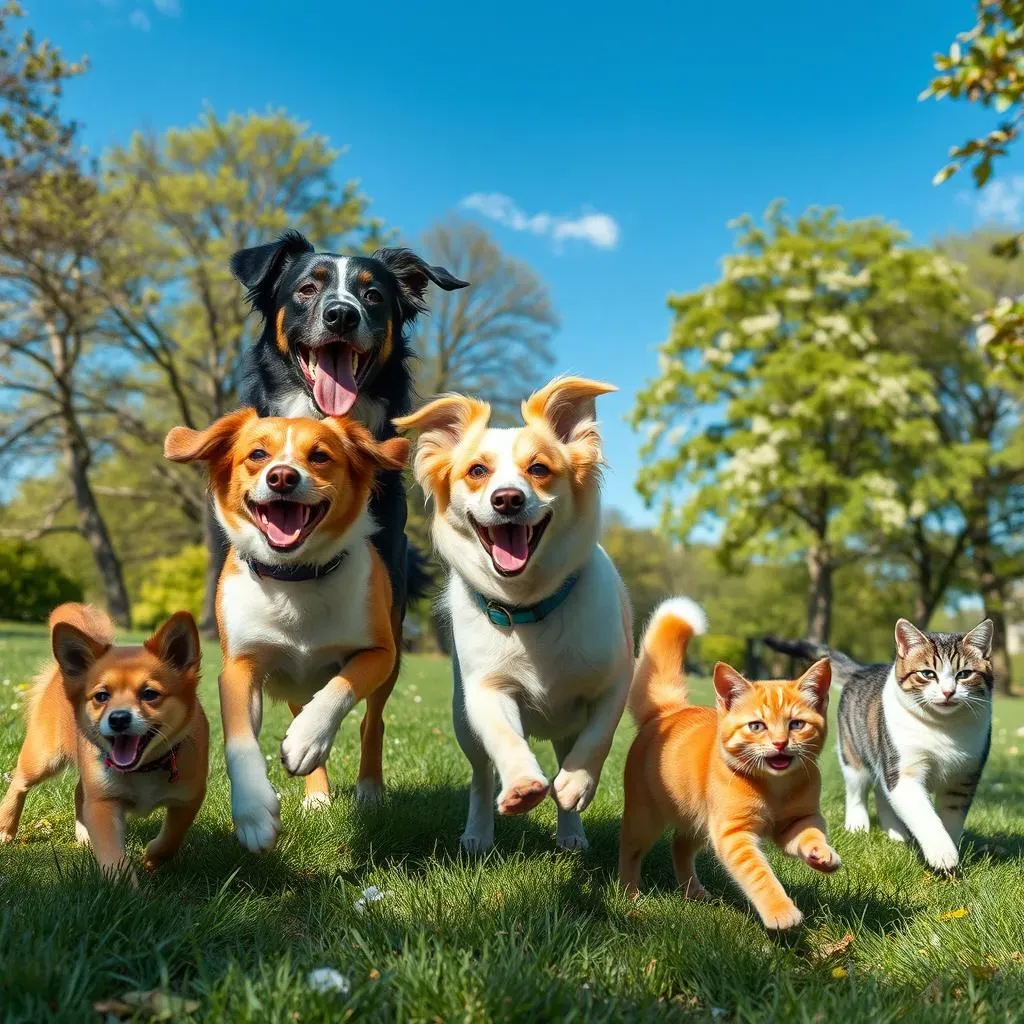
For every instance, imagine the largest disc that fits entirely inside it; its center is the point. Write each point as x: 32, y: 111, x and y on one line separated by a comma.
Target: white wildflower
x: 716, y: 357
x: 760, y: 324
x: 371, y: 894
x: 797, y: 294
x: 417, y: 699
x: 325, y: 980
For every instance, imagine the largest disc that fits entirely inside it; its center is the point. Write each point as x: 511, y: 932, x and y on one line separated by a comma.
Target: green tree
x: 779, y: 415
x: 985, y: 66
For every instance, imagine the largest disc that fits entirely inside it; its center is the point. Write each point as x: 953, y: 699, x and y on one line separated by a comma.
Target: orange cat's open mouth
x: 780, y: 762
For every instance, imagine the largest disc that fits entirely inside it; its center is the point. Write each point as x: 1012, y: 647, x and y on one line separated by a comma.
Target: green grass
x: 528, y: 934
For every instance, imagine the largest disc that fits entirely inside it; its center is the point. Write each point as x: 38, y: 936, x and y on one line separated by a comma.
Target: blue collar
x: 506, y: 616
x: 294, y: 573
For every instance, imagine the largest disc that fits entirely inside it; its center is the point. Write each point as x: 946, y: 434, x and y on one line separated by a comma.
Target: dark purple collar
x: 294, y: 573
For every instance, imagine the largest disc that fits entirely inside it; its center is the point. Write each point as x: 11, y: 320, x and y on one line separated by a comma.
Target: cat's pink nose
x: 780, y: 744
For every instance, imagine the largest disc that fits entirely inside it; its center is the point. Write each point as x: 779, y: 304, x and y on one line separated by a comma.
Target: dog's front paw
x: 257, y: 815
x: 574, y: 790
x: 822, y: 857
x: 522, y: 795
x: 307, y: 743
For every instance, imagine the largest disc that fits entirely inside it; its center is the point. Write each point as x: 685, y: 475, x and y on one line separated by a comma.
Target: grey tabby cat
x: 915, y: 729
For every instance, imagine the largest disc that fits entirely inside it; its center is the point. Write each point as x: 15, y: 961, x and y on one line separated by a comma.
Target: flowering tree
x: 785, y: 413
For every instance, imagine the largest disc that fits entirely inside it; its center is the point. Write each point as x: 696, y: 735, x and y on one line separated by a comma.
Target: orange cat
x: 728, y: 777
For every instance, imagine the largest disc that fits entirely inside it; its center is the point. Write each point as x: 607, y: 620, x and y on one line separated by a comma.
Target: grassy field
x: 528, y: 934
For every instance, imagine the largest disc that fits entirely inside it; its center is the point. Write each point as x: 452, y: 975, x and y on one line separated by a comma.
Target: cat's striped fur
x: 915, y: 730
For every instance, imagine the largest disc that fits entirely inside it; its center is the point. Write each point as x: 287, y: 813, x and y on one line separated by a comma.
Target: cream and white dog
x: 541, y: 620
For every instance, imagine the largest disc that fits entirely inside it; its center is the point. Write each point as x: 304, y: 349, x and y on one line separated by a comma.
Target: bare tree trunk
x: 994, y: 596
x: 216, y: 553
x: 93, y: 528
x: 819, y: 597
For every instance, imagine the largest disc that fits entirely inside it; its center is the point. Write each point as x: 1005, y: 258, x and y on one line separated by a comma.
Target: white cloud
x: 172, y: 8
x: 1000, y: 202
x: 139, y: 19
x: 596, y: 229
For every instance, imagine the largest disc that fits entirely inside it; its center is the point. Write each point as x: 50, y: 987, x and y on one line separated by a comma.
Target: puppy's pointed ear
x: 980, y: 638
x: 729, y: 684
x: 259, y: 268
x: 183, y: 444
x: 566, y: 405
x: 444, y: 423
x: 815, y: 682
x: 76, y: 652
x: 369, y: 453
x: 414, y: 274
x: 176, y: 643
x: 908, y: 636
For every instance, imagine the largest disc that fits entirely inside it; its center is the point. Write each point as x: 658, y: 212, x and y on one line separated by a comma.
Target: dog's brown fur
x: 63, y: 727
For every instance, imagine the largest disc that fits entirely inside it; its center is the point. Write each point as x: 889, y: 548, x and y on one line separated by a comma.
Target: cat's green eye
x: 965, y: 673
x: 756, y: 726
x: 926, y: 673
x: 797, y: 724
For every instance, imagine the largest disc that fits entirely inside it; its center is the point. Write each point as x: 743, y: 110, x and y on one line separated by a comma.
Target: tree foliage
x: 782, y: 408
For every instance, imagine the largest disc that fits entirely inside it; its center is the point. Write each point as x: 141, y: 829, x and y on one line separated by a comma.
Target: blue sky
x: 637, y: 132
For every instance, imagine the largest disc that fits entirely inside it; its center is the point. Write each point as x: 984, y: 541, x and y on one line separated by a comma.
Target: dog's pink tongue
x: 334, y: 387
x: 509, y: 547
x: 284, y: 521
x: 124, y: 750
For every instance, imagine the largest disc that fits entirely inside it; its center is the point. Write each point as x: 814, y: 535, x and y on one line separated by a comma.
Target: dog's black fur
x: 350, y: 314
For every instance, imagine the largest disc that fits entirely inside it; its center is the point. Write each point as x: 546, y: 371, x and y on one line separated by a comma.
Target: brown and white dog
x: 541, y: 620
x: 130, y: 719
x: 304, y: 604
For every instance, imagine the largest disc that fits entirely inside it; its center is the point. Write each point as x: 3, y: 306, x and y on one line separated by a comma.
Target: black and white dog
x: 334, y: 342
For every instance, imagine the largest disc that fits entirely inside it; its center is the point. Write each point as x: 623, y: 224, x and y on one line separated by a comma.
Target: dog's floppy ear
x: 183, y: 444
x: 364, y: 448
x: 413, y: 274
x: 259, y: 268
x: 176, y: 643
x: 76, y: 652
x: 566, y: 405
x: 444, y: 422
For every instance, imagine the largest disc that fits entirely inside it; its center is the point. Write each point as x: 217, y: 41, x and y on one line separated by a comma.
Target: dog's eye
x: 756, y: 726
x: 372, y: 296
x: 258, y: 455
x: 101, y: 696
x: 797, y: 724
x: 478, y: 471
x: 318, y: 457
x: 308, y: 290
x: 538, y: 469
x: 149, y: 694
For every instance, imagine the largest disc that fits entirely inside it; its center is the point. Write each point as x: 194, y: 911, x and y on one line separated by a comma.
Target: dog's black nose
x: 282, y: 479
x: 119, y: 720
x: 341, y: 317
x: 508, y: 501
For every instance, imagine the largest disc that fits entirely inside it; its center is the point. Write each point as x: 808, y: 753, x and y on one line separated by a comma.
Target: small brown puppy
x: 129, y: 717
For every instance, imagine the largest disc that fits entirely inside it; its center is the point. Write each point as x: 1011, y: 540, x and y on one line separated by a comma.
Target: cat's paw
x: 477, y: 842
x: 522, y: 795
x: 574, y: 790
x: 822, y: 857
x: 779, y: 918
x: 943, y: 858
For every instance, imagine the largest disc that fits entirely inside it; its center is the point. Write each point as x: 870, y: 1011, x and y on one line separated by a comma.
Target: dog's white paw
x: 572, y: 840
x: 896, y: 835
x: 369, y: 792
x: 6, y: 837
x: 257, y: 815
x: 307, y: 743
x: 574, y: 790
x: 81, y: 834
x: 315, y: 801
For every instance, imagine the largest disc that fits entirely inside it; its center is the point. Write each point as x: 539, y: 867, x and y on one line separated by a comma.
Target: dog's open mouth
x: 335, y: 372
x: 780, y: 762
x: 126, y: 751
x: 286, y: 524
x: 510, y: 545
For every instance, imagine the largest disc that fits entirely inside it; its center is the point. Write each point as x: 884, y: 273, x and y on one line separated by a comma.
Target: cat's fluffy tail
x: 844, y: 668
x: 659, y: 682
